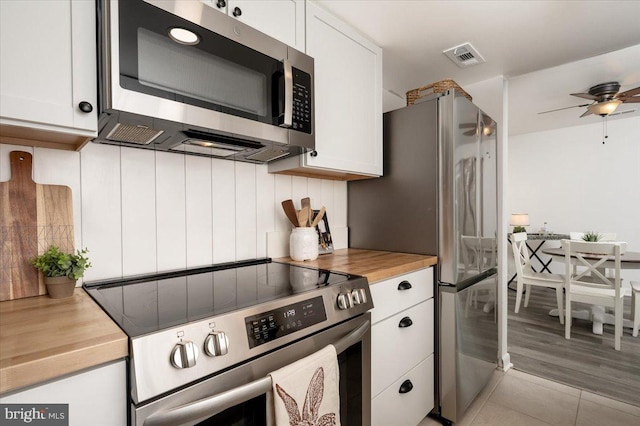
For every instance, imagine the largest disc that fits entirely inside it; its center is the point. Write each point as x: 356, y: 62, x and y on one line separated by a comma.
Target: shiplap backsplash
x: 140, y: 211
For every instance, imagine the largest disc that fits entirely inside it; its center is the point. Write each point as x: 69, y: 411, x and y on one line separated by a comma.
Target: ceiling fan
x: 606, y: 99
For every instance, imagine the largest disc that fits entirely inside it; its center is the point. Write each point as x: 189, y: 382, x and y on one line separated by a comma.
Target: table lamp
x: 519, y: 221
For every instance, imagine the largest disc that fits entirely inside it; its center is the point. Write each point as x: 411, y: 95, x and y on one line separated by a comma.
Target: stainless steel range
x: 203, y: 340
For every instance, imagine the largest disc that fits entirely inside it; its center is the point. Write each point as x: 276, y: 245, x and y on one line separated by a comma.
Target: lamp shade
x: 604, y: 108
x: 519, y: 219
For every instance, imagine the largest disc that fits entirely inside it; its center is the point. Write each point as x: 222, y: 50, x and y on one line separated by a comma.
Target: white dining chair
x: 525, y: 275
x: 590, y: 285
x: 604, y: 237
x: 635, y: 306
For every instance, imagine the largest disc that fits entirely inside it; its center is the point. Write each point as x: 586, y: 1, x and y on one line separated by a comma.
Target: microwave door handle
x: 288, y: 94
x: 217, y: 403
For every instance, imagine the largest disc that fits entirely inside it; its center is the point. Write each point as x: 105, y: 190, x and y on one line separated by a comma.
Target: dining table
x: 598, y: 314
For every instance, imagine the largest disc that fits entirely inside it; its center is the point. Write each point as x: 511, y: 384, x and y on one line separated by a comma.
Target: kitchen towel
x: 307, y: 392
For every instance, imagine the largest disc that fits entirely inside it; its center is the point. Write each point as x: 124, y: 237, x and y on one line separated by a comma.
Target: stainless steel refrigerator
x: 438, y: 197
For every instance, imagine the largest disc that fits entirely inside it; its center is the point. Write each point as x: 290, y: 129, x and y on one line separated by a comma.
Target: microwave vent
x: 267, y: 155
x: 140, y: 135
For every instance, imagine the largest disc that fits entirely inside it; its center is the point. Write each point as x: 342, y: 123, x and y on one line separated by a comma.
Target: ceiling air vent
x: 464, y: 55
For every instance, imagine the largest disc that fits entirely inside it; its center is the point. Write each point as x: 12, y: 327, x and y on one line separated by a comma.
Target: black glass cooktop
x: 145, y: 304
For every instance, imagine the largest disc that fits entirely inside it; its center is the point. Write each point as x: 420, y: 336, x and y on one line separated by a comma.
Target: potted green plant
x: 592, y: 237
x: 61, y: 270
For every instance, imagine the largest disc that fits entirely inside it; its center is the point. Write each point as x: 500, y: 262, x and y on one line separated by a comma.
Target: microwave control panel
x: 268, y: 326
x: 302, y: 101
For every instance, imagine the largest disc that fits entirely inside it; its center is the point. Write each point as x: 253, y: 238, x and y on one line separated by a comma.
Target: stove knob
x: 344, y: 301
x: 359, y: 296
x: 216, y: 344
x: 184, y: 355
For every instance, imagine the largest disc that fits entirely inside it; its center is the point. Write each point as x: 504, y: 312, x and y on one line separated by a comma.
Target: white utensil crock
x: 303, y: 243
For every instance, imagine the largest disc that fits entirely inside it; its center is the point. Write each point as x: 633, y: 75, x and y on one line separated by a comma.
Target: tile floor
x: 517, y: 398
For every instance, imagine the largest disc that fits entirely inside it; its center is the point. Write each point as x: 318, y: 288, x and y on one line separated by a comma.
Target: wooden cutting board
x: 32, y: 217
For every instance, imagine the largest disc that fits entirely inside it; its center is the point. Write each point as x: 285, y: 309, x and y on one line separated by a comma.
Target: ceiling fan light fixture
x: 604, y: 108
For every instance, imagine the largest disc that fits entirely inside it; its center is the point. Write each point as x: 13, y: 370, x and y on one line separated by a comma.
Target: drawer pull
x: 404, y: 285
x: 406, y: 386
x: 405, y: 322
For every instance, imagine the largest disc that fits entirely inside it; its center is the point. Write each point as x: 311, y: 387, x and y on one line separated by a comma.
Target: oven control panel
x: 268, y: 326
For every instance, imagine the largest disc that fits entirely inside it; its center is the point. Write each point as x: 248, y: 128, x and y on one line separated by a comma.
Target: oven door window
x: 253, y: 412
x: 215, y: 73
x: 250, y: 413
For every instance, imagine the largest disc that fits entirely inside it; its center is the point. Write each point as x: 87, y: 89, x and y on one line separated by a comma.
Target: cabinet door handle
x: 405, y: 322
x: 237, y: 11
x: 404, y: 285
x: 314, y: 153
x: 221, y: 4
x: 85, y: 106
x: 406, y: 386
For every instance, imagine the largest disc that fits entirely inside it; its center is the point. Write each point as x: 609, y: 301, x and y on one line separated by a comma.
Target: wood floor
x: 587, y: 361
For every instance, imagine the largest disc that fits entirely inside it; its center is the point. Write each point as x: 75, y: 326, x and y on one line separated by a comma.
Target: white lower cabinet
x: 400, y: 343
x: 402, y: 349
x: 398, y: 407
x: 96, y: 397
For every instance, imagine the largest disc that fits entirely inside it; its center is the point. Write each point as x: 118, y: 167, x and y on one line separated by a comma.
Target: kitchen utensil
x: 290, y: 211
x: 303, y: 216
x: 318, y: 217
x: 32, y: 217
x: 306, y: 202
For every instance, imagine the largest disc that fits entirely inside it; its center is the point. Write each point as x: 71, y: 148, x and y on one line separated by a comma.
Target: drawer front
x: 398, y: 293
x: 406, y: 409
x: 396, y: 349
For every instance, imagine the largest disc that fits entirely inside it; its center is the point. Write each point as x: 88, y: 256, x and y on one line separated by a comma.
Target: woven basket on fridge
x: 437, y: 87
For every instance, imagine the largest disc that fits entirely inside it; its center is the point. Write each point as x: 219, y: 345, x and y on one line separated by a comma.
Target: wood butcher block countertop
x: 43, y: 338
x: 375, y: 265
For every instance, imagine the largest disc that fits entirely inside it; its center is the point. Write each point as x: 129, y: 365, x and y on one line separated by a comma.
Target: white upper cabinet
x: 282, y: 20
x: 348, y: 102
x: 48, y: 72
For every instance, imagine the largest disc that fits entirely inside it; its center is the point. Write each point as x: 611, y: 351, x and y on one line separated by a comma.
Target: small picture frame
x: 325, y: 243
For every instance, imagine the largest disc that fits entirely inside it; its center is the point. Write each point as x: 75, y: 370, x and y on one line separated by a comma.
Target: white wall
x: 569, y: 179
x: 138, y: 211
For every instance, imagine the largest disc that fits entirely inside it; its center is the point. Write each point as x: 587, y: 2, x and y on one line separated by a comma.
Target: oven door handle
x: 215, y: 404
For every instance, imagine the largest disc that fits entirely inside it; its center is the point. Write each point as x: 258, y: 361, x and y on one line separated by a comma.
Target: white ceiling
x: 516, y: 38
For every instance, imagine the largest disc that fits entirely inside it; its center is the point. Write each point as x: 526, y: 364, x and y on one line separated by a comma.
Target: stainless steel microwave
x: 181, y: 76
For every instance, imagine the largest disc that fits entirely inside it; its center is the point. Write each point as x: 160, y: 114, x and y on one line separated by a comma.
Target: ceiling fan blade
x: 622, y: 112
x: 628, y: 93
x: 585, y: 96
x: 560, y: 109
x: 632, y: 100
x: 587, y: 112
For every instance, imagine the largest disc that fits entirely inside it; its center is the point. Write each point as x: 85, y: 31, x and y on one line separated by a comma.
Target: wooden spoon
x: 290, y: 211
x: 306, y: 202
x: 303, y: 217
x: 318, y: 218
